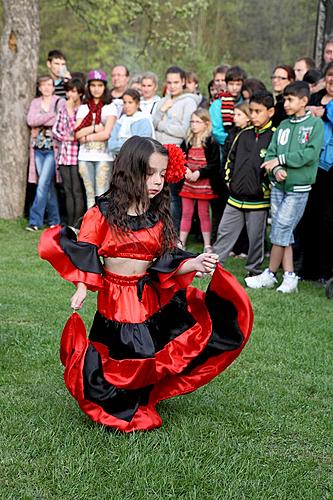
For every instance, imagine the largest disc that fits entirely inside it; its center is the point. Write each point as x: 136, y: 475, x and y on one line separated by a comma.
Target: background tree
x: 19, y: 59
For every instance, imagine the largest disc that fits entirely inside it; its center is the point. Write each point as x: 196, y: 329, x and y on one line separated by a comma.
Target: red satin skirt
x: 149, y: 343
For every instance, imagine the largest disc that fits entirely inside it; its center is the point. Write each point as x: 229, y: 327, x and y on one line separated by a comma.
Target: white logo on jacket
x: 283, y: 136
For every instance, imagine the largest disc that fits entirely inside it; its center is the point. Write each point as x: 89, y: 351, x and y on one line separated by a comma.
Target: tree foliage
x: 196, y: 34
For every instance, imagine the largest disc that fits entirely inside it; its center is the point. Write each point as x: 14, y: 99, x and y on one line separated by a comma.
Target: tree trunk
x: 19, y: 58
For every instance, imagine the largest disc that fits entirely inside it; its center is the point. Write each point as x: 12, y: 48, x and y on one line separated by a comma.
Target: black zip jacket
x: 248, y: 183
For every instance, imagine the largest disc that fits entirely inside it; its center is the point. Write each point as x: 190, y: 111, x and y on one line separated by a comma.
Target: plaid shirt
x: 63, y: 132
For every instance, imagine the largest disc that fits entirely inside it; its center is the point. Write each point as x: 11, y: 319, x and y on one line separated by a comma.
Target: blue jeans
x: 287, y: 209
x: 46, y: 196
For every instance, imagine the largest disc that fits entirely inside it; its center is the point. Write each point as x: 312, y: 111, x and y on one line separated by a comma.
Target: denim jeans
x: 96, y: 178
x: 46, y: 196
x: 287, y: 209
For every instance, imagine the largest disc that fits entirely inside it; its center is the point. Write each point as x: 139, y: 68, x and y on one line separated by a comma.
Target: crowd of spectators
x: 79, y: 123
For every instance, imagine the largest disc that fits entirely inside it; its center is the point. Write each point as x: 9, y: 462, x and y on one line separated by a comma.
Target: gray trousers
x: 230, y: 227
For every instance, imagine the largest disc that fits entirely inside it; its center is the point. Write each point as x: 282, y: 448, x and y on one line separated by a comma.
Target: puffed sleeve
x: 76, y: 259
x: 164, y: 269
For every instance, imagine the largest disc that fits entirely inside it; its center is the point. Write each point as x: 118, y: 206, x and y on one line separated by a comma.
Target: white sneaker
x: 263, y: 280
x: 289, y: 283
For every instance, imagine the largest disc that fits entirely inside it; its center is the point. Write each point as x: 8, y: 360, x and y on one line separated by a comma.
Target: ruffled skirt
x: 149, y: 343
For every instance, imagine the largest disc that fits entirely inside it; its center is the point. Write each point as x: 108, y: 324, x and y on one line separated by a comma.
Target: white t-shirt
x: 96, y: 150
x: 149, y: 107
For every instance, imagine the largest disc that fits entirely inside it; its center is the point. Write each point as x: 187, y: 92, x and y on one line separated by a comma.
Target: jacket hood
x: 186, y: 95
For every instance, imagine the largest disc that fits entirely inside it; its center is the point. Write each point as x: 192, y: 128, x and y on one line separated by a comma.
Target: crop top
x: 78, y: 260
x: 142, y: 241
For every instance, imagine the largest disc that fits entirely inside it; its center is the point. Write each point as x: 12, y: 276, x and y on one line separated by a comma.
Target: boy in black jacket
x: 248, y: 184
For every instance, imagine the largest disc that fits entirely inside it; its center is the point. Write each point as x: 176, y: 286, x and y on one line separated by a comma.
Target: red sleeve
x: 77, y: 268
x: 94, y: 227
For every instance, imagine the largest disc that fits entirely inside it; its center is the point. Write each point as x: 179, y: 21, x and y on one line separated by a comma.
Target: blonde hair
x: 204, y: 115
x: 244, y: 108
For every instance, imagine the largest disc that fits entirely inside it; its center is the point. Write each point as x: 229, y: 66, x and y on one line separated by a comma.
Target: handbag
x: 44, y: 139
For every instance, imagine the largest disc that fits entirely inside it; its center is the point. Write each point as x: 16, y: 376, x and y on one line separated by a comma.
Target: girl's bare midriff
x: 125, y: 266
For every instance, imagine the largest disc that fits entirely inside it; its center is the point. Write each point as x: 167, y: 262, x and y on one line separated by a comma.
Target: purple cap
x: 97, y: 75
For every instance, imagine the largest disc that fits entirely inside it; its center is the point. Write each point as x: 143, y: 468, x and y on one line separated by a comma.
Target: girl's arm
x: 142, y: 128
x: 159, y: 114
x: 218, y: 131
x: 79, y: 296
x: 36, y: 119
x: 82, y: 112
x: 102, y: 134
x: 84, y: 131
x: 76, y: 259
x: 63, y: 129
x: 177, y: 127
x: 203, y: 263
x: 115, y: 143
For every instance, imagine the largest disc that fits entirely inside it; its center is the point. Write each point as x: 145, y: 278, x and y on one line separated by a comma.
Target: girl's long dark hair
x: 128, y: 188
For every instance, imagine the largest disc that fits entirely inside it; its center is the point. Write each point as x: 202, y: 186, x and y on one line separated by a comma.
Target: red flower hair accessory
x: 176, y: 168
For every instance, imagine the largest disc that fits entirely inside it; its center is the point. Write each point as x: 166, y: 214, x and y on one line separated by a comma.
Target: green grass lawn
x: 261, y: 430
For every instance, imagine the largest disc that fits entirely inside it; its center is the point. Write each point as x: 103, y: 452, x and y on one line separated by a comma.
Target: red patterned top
x: 201, y: 189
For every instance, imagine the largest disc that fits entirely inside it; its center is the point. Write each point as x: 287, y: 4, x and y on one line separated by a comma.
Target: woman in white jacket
x: 172, y: 120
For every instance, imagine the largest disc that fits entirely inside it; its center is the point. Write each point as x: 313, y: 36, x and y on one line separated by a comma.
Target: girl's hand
x: 188, y: 174
x: 167, y: 105
x: 99, y: 127
x: 79, y: 296
x: 195, y: 176
x: 205, y: 263
x: 192, y: 176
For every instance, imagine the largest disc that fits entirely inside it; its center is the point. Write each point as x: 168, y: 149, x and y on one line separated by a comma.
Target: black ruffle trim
x: 133, y: 341
x: 169, y: 261
x: 120, y: 403
x: 135, y: 222
x: 143, y: 340
x: 83, y: 255
x: 226, y: 334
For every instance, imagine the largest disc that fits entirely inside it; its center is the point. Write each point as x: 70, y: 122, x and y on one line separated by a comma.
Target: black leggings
x: 73, y: 191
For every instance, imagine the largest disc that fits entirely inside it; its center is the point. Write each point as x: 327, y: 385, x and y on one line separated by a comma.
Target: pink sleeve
x: 36, y: 118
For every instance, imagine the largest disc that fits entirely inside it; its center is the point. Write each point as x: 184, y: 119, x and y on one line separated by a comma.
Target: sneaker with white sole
x: 289, y: 283
x: 32, y: 228
x: 263, y: 280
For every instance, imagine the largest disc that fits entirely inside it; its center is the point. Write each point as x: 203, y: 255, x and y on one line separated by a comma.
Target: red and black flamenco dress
x: 153, y: 336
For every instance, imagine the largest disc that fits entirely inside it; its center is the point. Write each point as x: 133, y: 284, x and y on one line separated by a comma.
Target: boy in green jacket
x: 292, y: 162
